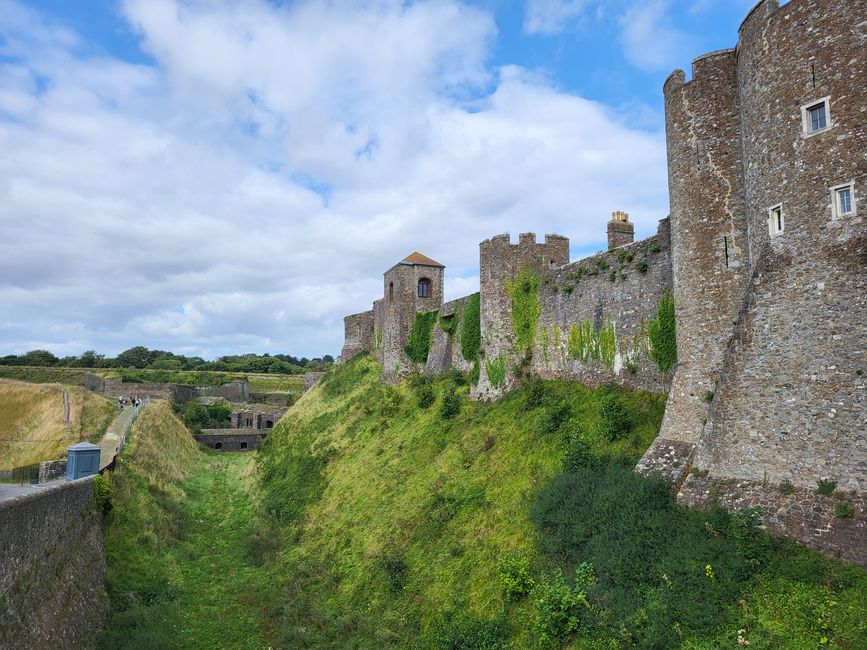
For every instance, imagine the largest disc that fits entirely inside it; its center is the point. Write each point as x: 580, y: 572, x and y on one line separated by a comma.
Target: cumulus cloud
x: 650, y: 40
x: 548, y: 17
x: 249, y: 187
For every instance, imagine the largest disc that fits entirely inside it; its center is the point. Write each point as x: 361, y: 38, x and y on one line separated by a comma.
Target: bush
x: 561, y: 606
x: 786, y: 487
x: 641, y: 267
x: 424, y: 391
x: 395, y: 568
x: 826, y: 487
x: 753, y: 546
x: 615, y: 421
x: 102, y: 492
x: 515, y: 576
x: 495, y: 369
x: 553, y: 417
x: 451, y: 404
x: 534, y: 392
x: 578, y: 456
x: 843, y: 510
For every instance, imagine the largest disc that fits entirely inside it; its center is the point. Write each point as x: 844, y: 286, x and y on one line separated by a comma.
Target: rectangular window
x: 843, y: 200
x: 816, y: 116
x: 776, y: 220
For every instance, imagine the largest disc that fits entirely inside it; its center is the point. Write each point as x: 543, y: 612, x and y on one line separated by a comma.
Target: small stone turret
x: 621, y: 231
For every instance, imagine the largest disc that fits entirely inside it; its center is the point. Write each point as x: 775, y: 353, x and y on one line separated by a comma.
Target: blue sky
x: 218, y: 177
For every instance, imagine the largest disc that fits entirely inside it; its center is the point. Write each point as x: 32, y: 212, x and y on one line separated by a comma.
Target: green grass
x: 186, y: 549
x: 373, y: 518
x: 35, y: 375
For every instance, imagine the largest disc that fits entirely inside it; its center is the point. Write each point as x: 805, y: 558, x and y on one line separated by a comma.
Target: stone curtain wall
x: 803, y: 515
x: 52, y: 569
x: 619, y: 289
x: 357, y: 334
x: 445, y: 352
x: 233, y: 391
x: 51, y: 470
x: 790, y: 403
x: 313, y: 378
x: 116, y: 387
x: 499, y: 261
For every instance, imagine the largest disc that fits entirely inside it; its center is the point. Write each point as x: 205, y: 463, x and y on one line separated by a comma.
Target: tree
x: 136, y: 357
x: 38, y: 358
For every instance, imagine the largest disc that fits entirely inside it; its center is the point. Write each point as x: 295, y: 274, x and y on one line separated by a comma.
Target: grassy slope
x: 32, y: 427
x: 184, y: 545
x: 401, y: 487
x: 395, y: 521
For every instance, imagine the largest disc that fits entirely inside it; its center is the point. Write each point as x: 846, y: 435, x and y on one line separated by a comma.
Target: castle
x: 764, y: 252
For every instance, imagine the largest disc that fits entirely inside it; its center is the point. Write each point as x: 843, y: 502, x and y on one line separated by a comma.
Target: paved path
x: 109, y: 442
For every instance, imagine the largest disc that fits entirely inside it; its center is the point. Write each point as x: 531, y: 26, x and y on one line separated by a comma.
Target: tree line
x: 142, y: 358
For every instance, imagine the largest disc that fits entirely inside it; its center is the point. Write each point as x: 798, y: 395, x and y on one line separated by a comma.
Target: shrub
x: 534, y: 392
x: 474, y: 373
x: 753, y: 546
x: 424, y: 390
x: 641, y: 267
x: 559, y: 605
x: 395, y: 568
x: 579, y: 455
x: 451, y: 404
x: 553, y: 417
x: 843, y: 510
x: 102, y: 492
x: 418, y: 345
x: 786, y: 487
x: 615, y: 421
x: 515, y: 577
x: 708, y: 396
x: 471, y: 329
x: 826, y: 486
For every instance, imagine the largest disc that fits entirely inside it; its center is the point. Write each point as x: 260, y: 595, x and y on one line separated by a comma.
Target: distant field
x: 259, y: 382
x: 31, y: 421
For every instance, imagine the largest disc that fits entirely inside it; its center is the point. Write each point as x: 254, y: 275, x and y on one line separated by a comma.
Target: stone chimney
x: 620, y: 230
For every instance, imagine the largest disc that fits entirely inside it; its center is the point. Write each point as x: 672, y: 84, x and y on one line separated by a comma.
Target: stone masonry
x: 764, y: 251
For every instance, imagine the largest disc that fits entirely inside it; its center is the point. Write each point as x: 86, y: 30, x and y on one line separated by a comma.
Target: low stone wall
x: 234, y: 391
x: 229, y: 439
x: 51, y: 470
x: 804, y: 515
x: 311, y: 379
x: 177, y: 393
x: 52, y: 569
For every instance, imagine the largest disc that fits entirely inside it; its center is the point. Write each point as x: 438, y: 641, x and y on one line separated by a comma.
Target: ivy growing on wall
x: 661, y: 332
x: 545, y: 341
x: 377, y: 338
x: 449, y: 324
x: 418, y: 345
x: 524, y: 292
x: 496, y: 371
x: 471, y: 329
x: 586, y: 343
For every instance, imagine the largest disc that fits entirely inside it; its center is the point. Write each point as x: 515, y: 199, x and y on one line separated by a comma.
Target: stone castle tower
x: 765, y: 253
x: 767, y: 151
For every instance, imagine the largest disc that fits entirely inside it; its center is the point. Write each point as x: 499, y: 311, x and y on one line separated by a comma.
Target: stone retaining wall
x: 52, y: 569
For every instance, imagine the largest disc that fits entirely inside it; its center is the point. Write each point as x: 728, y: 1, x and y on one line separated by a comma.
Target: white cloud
x: 249, y: 189
x: 650, y: 40
x: 548, y: 17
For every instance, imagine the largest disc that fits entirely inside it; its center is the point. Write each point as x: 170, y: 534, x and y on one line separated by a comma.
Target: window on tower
x: 424, y: 288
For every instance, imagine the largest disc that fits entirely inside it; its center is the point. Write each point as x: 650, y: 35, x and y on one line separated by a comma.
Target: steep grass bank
x: 411, y: 517
x: 184, y: 544
x: 32, y: 427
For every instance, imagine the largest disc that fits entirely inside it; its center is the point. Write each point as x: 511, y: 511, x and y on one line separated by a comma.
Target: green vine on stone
x: 377, y: 338
x: 471, y: 329
x: 586, y: 343
x: 524, y: 292
x: 661, y: 333
x: 418, y: 345
x: 496, y: 371
x: 449, y: 324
